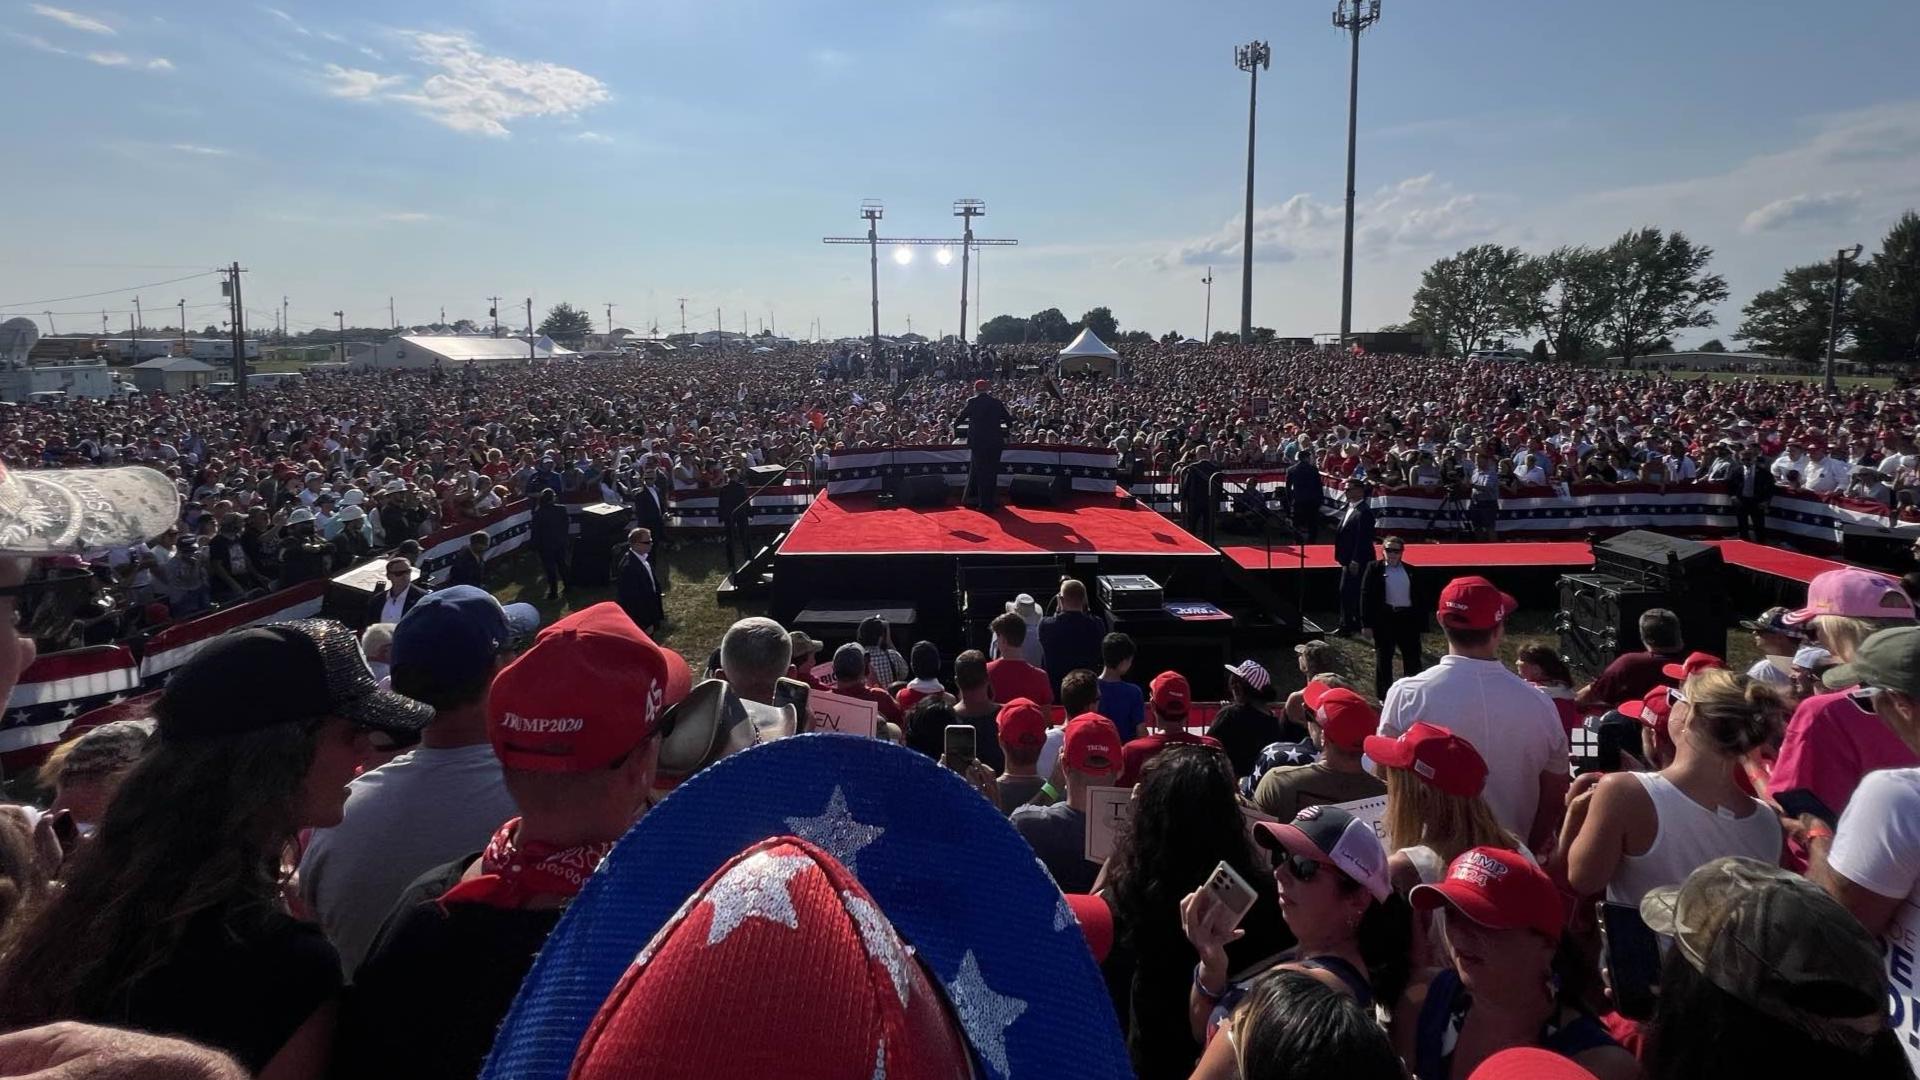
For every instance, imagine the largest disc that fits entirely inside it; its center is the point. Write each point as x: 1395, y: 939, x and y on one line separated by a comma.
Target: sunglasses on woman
x: 1301, y: 867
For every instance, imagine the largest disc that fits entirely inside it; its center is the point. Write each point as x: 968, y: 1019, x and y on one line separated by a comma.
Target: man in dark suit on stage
x: 639, y: 591
x: 1388, y: 611
x: 1751, y: 484
x: 1307, y: 496
x: 1353, y: 548
x: 987, y: 421
x: 1197, y: 493
x: 731, y: 507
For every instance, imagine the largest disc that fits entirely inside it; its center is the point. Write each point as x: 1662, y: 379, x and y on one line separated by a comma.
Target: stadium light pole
x: 1840, y: 260
x: 342, y: 316
x: 1353, y: 16
x: 1249, y: 58
x: 1206, y: 332
x: 968, y: 209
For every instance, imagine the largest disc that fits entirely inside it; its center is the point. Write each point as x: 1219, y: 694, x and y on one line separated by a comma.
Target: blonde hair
x: 1734, y: 713
x: 1419, y: 813
x: 1842, y: 634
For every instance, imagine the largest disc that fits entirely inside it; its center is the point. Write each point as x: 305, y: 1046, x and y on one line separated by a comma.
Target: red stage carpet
x: 1449, y: 556
x: 1770, y: 560
x: 855, y: 525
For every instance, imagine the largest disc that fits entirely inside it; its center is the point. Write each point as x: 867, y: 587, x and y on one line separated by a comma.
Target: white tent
x: 1088, y: 353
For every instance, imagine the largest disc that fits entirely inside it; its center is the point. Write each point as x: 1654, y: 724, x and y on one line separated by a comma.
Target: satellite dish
x: 17, y: 336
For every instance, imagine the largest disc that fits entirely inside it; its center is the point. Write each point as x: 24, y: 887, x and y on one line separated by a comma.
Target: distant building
x: 414, y: 352
x: 220, y: 348
x: 172, y: 374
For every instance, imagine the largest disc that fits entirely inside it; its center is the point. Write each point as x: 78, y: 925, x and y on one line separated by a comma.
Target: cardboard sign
x: 837, y: 712
x: 1370, y: 811
x: 822, y: 673
x: 1108, y: 808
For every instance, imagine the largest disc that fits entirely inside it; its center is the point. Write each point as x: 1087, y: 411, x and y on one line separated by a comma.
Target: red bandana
x: 513, y: 874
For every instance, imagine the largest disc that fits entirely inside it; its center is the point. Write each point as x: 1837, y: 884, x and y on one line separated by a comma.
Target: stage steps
x: 753, y: 578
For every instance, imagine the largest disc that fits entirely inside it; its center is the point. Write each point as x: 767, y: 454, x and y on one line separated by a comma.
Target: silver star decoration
x: 836, y: 831
x: 70, y: 710
x: 882, y: 944
x: 1063, y: 916
x: 757, y: 888
x: 985, y: 1015
x: 20, y: 716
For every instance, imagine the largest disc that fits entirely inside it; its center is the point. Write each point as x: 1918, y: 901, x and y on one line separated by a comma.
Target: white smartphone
x: 1231, y: 891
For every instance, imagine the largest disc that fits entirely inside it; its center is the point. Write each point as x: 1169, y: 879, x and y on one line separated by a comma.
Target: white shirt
x: 1507, y: 719
x: 1763, y: 670
x: 1787, y: 463
x: 1399, y: 591
x: 395, y: 605
x: 1827, y: 474
x: 1688, y: 836
x: 1877, y: 847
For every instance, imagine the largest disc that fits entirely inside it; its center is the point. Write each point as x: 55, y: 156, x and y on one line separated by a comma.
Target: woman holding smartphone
x: 1353, y: 932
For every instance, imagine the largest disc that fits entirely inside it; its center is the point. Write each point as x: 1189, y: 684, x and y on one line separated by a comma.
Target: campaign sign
x: 1370, y: 811
x: 1108, y: 808
x: 836, y: 712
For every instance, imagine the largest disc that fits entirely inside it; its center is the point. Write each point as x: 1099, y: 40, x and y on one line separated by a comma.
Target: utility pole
x: 52, y: 329
x: 342, y: 316
x: 286, y: 328
x: 683, y: 315
x: 609, y: 320
x: 967, y: 209
x: 237, y: 322
x: 1352, y: 16
x: 719, y: 330
x: 1206, y: 334
x: 133, y: 339
x: 871, y: 210
x: 139, y: 322
x: 493, y: 312
x: 183, y: 325
x: 529, y: 331
x: 1840, y: 260
x: 1249, y: 58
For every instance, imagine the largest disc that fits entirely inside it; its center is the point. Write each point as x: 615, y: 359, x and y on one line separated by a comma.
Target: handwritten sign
x: 837, y: 712
x: 1371, y: 811
x: 1108, y: 808
x: 822, y: 673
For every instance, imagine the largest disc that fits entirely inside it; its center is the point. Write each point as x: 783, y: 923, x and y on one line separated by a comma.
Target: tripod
x: 1451, y: 515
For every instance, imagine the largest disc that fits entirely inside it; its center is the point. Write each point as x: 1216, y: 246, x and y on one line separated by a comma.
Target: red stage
x: 1510, y: 554
x: 1083, y: 524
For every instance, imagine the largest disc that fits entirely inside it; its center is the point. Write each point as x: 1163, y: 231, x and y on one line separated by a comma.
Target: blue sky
x: 637, y: 152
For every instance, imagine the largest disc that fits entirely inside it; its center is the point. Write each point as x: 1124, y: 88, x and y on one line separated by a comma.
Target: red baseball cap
x: 1698, y: 661
x: 592, y: 687
x: 1344, y: 716
x: 1529, y: 1063
x: 982, y: 384
x: 1435, y: 755
x: 1091, y: 744
x: 1170, y: 695
x: 1022, y: 723
x: 1474, y: 603
x: 1500, y: 890
x: 1095, y: 917
x: 1651, y: 710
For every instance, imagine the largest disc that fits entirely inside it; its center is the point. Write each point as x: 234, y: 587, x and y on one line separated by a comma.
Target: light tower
x: 967, y: 209
x: 1250, y: 58
x: 1352, y: 16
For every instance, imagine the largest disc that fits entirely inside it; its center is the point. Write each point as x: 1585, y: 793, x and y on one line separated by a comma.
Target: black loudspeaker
x: 599, y: 528
x: 1037, y: 490
x: 349, y: 593
x: 1600, y: 618
x: 922, y: 491
x: 1658, y: 561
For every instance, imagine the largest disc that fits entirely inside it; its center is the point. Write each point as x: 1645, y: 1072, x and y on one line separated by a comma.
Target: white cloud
x: 470, y: 90
x: 1413, y: 214
x: 593, y: 137
x: 406, y: 217
x: 204, y: 151
x: 37, y: 42
x: 72, y: 20
x: 357, y: 83
x: 292, y: 23
x: 110, y: 59
x: 159, y: 63
x: 1800, y: 211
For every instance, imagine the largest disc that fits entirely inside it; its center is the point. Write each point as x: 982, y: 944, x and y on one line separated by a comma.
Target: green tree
x: 1003, y: 330
x: 1567, y: 292
x: 1886, y: 311
x: 1467, y: 299
x: 1714, y: 345
x: 1102, y: 323
x: 1224, y: 337
x: 566, y: 323
x: 1171, y: 337
x: 1656, y: 285
x: 1793, y: 318
x: 1540, y: 354
x: 1049, y: 325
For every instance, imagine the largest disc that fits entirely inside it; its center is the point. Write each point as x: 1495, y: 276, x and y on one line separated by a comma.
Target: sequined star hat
x: 985, y: 925
x: 58, y: 511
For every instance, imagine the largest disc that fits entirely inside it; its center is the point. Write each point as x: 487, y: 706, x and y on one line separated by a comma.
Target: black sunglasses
x: 1301, y: 867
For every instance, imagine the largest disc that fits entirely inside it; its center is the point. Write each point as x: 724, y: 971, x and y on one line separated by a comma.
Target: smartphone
x: 1231, y: 891
x: 960, y: 747
x: 1631, y: 953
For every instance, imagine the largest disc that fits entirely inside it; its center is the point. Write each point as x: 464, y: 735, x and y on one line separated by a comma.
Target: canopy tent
x: 1088, y: 353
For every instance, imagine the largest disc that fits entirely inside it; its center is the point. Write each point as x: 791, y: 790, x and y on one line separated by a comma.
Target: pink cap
x: 1857, y: 593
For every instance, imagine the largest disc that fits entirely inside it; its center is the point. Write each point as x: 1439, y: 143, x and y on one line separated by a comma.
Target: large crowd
x: 311, y: 476
x: 477, y: 847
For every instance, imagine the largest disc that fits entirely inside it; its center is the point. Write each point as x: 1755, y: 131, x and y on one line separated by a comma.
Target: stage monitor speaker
x: 1037, y: 490
x: 923, y: 491
x: 1600, y: 618
x: 600, y: 527
x: 1660, y: 562
x: 349, y: 593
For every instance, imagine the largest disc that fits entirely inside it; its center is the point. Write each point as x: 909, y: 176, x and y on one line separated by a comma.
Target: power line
x: 108, y: 292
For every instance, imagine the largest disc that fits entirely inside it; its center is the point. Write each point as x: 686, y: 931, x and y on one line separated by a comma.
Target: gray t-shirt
x: 1018, y: 791
x: 1058, y: 834
x: 404, y: 818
